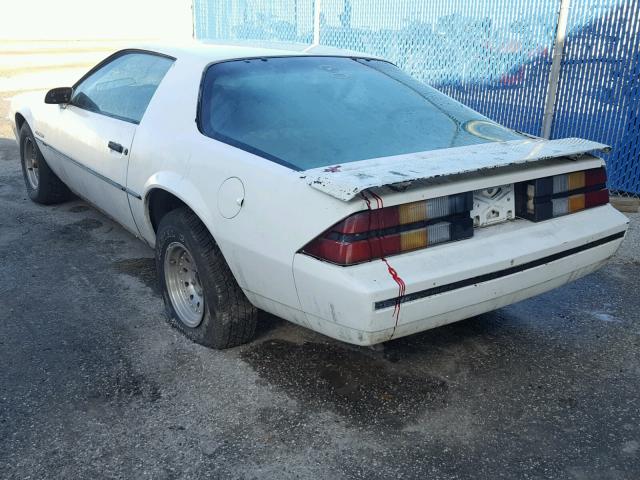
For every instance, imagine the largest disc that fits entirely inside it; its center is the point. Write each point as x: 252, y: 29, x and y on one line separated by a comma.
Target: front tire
x: 202, y: 298
x: 43, y: 186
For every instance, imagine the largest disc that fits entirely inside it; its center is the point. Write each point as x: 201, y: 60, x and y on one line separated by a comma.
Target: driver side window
x: 123, y: 87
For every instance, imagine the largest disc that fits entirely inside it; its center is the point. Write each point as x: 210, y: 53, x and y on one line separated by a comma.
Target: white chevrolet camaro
x: 327, y: 188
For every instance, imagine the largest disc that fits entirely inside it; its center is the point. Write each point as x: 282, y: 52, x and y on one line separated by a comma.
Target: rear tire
x: 43, y: 186
x: 201, y: 296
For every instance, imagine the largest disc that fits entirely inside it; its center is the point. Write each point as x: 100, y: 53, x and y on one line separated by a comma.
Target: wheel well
x: 160, y: 203
x: 19, y: 121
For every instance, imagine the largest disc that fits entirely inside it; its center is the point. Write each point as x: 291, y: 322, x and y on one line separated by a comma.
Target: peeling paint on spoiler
x: 348, y: 180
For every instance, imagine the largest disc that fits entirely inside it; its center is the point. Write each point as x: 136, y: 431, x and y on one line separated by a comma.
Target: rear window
x: 308, y: 112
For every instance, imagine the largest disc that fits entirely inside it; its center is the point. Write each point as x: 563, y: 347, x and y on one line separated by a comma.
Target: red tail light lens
x: 545, y: 198
x: 373, y: 234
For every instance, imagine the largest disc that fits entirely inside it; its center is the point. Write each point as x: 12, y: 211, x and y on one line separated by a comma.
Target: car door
x: 94, y: 132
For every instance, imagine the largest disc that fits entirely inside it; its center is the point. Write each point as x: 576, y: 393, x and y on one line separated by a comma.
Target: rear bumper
x: 500, y: 265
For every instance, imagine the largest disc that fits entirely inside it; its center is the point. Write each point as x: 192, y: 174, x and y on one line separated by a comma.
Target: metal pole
x: 316, y: 23
x: 193, y: 19
x: 554, y: 74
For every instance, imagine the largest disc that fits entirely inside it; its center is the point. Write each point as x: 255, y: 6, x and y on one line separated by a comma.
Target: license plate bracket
x: 493, y: 205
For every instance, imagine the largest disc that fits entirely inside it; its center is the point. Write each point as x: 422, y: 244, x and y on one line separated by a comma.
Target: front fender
x: 24, y: 105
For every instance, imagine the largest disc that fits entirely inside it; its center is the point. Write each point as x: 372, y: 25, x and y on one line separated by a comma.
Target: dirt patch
x: 144, y: 269
x: 124, y: 385
x: 79, y: 208
x: 71, y: 230
x: 88, y: 224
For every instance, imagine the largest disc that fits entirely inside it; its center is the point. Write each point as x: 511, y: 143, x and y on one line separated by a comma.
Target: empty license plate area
x: 493, y: 205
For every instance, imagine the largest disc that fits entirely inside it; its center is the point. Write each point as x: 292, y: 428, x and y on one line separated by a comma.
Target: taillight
x: 549, y: 197
x: 373, y: 234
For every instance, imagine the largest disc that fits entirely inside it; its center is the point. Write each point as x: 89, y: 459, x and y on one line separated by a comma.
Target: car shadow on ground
x: 390, y: 383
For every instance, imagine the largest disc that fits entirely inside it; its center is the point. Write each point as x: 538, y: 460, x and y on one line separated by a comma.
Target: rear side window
x: 308, y: 112
x: 123, y: 87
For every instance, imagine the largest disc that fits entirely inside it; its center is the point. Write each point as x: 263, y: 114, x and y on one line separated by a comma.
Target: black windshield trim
x: 248, y: 148
x: 116, y: 55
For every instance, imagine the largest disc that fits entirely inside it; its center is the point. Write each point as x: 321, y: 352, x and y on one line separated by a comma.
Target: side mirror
x: 59, y: 95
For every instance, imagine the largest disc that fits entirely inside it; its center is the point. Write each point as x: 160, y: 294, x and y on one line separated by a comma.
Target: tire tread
x: 234, y: 321
x: 51, y: 189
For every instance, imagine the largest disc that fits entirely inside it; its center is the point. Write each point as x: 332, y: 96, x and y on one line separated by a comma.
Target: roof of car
x: 213, y: 52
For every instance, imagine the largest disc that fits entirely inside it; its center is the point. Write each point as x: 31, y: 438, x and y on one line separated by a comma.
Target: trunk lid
x: 346, y: 181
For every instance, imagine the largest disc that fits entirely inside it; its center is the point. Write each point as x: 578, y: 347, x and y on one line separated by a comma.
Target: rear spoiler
x: 346, y: 181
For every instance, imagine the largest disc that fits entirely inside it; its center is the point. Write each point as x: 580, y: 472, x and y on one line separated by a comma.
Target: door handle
x: 116, y: 147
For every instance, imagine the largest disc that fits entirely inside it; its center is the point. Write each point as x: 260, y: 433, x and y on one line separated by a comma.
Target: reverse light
x: 373, y: 234
x: 545, y: 198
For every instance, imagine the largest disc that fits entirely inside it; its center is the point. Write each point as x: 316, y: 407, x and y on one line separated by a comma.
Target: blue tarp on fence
x: 493, y: 55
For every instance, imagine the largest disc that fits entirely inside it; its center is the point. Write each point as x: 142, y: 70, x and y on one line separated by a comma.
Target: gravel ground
x: 95, y: 384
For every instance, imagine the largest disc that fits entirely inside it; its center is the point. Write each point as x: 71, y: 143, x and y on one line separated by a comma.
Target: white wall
x: 95, y: 19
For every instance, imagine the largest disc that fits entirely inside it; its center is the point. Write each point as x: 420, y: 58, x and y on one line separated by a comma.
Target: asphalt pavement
x: 95, y: 384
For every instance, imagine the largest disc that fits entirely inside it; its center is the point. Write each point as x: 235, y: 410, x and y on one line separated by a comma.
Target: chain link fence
x: 494, y: 55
